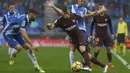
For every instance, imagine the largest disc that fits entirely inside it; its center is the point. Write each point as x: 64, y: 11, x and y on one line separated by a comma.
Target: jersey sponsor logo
x: 102, y: 25
x: 70, y: 28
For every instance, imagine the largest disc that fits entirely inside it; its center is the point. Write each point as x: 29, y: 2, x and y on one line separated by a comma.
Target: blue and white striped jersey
x: 79, y: 11
x: 16, y: 23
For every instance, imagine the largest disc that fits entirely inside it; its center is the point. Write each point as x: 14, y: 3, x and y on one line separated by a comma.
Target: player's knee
x: 108, y: 49
x: 82, y: 48
x: 98, y: 48
x: 72, y: 47
x: 26, y: 46
x: 18, y: 48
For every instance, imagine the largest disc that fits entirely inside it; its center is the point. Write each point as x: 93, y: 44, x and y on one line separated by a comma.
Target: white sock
x: 72, y: 57
x: 13, y: 51
x: 32, y: 57
x: 9, y: 51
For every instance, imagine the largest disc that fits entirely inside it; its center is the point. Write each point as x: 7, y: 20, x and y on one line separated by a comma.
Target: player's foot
x: 11, y: 62
x: 105, y: 69
x: 39, y: 69
x: 86, y: 69
x: 111, y: 65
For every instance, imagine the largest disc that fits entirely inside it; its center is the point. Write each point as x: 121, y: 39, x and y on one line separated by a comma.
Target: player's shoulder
x: 22, y: 17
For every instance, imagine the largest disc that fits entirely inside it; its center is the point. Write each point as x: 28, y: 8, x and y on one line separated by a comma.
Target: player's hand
x: 49, y: 26
x: 112, y: 36
x: 1, y: 27
x: 49, y: 3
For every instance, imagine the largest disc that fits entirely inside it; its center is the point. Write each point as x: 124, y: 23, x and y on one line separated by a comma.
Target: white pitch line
x: 125, y: 63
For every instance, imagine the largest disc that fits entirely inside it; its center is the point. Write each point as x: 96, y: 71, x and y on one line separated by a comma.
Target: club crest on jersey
x: 73, y: 20
x: 106, y: 19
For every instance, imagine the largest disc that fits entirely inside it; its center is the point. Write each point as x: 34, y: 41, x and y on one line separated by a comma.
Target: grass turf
x: 53, y: 60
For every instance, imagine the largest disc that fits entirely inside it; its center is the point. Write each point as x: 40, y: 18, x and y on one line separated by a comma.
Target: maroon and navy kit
x: 101, y: 23
x: 71, y: 28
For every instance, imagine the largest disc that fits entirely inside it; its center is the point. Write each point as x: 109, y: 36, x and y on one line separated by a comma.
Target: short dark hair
x: 33, y: 11
x: 101, y: 4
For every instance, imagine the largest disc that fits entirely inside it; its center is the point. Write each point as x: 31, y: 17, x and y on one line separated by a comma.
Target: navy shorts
x: 14, y: 40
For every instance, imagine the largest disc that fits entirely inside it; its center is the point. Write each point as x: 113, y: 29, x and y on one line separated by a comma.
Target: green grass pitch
x: 54, y: 60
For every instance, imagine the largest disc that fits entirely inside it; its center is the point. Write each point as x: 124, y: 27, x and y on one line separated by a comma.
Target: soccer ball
x: 76, y: 66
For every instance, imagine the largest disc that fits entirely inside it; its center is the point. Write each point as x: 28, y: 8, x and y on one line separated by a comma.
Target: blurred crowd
x: 116, y: 8
x: 22, y: 7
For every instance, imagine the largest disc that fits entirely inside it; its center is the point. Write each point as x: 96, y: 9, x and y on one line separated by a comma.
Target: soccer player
x: 68, y: 23
x: 5, y: 21
x: 101, y: 22
x: 14, y: 32
x: 122, y: 34
x: 79, y: 9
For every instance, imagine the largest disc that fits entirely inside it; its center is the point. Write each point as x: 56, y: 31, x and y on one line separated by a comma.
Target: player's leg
x: 124, y: 49
x: 84, y: 53
x: 95, y: 61
x: 72, y: 54
x: 12, y: 43
x: 107, y: 42
x: 11, y: 51
x: 98, y: 44
x: 29, y: 51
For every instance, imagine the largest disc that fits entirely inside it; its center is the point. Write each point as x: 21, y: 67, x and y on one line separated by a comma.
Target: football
x: 77, y: 66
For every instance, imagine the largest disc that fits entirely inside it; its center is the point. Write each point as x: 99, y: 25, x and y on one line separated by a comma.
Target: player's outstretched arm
x: 49, y: 3
x: 102, y: 10
x: 50, y: 26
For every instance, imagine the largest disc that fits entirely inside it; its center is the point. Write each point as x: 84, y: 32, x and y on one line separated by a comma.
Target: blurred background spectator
x: 116, y: 8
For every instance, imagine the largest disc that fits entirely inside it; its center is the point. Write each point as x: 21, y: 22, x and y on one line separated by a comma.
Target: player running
x: 78, y: 9
x: 13, y: 34
x: 68, y: 23
x: 101, y: 22
x: 6, y: 20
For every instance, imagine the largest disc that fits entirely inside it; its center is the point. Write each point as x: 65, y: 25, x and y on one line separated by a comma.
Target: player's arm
x: 25, y: 36
x: 92, y: 26
x: 53, y: 25
x: 110, y: 25
x: 102, y: 10
x: 126, y: 30
x: 50, y: 26
x: 50, y: 4
x: 2, y: 23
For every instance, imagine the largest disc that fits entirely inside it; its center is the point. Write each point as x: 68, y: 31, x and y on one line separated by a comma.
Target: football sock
x: 72, y: 57
x: 109, y: 56
x: 9, y: 51
x: 86, y: 58
x: 96, y: 54
x: 32, y: 57
x: 124, y: 49
x: 95, y: 61
x: 13, y: 51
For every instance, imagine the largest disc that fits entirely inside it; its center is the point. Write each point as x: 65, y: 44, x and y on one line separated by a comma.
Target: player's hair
x: 10, y: 4
x: 33, y: 11
x: 101, y: 4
